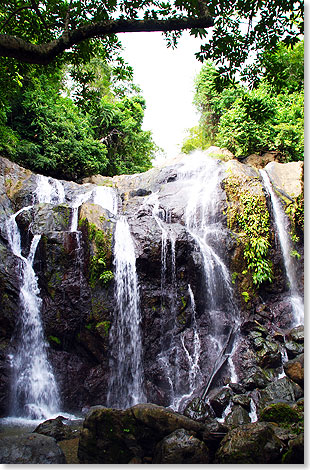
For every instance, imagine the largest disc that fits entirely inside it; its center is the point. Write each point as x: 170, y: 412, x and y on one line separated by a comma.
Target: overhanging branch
x: 11, y: 46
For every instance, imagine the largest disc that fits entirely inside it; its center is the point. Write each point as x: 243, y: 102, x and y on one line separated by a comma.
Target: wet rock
x: 181, y: 447
x: 71, y: 370
x: 293, y: 349
x: 163, y: 420
x: 294, y: 369
x: 219, y: 400
x: 242, y: 400
x: 297, y: 334
x: 44, y: 218
x: 237, y: 388
x: 282, y: 389
x: 198, y: 410
x: 267, y: 350
x: 30, y: 449
x: 56, y: 428
x: 237, y: 416
x: 257, y: 379
x: 254, y: 443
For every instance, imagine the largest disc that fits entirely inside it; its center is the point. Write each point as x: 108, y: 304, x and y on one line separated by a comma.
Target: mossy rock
x: 279, y: 413
x: 254, y: 443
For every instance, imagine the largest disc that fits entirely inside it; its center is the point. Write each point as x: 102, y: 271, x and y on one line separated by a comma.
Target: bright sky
x: 166, y: 77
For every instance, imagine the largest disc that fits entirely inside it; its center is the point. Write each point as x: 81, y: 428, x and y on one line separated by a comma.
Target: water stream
x: 126, y: 371
x: 203, y: 219
x: 34, y: 393
x: 283, y: 233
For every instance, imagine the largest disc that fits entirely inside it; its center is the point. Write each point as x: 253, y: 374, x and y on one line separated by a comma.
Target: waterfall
x: 34, y: 392
x: 126, y: 372
x: 34, y: 389
x: 282, y: 224
x: 49, y: 190
x: 105, y: 197
x: 194, y: 356
x: 203, y: 224
x: 253, y: 411
x: 78, y: 201
x: 201, y: 177
x: 169, y: 341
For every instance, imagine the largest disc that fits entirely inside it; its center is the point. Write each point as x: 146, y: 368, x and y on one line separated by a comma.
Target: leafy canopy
x: 267, y: 117
x: 38, y: 32
x: 94, y: 127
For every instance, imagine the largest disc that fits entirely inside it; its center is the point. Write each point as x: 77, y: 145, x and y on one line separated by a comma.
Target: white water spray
x: 34, y: 389
x: 282, y: 224
x: 126, y: 372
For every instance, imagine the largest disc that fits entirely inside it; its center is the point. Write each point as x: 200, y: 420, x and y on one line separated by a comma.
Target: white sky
x: 166, y: 77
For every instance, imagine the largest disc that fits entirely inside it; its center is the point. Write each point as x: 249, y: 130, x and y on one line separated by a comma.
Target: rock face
x: 30, y: 449
x: 286, y: 178
x: 179, y: 318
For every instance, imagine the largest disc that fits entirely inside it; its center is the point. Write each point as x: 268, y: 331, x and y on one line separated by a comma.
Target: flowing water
x: 34, y: 392
x: 283, y: 233
x: 203, y: 219
x: 193, y: 353
x: 49, y: 190
x: 126, y: 371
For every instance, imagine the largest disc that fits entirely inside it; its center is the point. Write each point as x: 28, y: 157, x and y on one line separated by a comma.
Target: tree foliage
x: 267, y: 117
x: 96, y: 130
x: 37, y: 32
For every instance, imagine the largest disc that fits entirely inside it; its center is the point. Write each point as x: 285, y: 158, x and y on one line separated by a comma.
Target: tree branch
x: 11, y: 46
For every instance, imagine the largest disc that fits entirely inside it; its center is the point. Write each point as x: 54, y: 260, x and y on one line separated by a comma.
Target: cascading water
x: 34, y: 389
x: 170, y: 348
x: 282, y: 224
x: 194, y: 355
x: 49, y: 190
x: 105, y: 197
x: 126, y: 372
x: 34, y: 393
x: 201, y: 178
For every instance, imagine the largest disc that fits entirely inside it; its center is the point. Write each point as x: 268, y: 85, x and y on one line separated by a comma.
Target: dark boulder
x: 242, y: 400
x: 56, y: 428
x: 254, y: 443
x: 282, y: 389
x: 198, y: 410
x: 219, y: 399
x: 181, y: 447
x: 30, y: 449
x: 117, y: 436
x: 237, y: 416
x: 294, y: 369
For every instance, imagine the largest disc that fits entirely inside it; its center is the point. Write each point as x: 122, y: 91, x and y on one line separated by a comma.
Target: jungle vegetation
x: 69, y: 107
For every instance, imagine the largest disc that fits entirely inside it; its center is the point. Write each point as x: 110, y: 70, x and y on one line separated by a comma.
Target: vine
x: 295, y: 211
x: 247, y: 211
x: 101, y: 260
